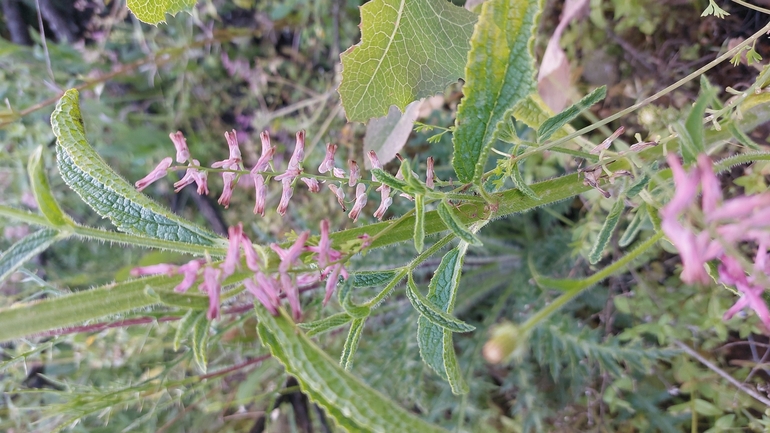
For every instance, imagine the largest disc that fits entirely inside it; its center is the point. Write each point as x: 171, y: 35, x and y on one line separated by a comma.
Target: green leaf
x: 633, y: 227
x: 409, y: 50
x: 372, y: 278
x: 435, y: 342
x: 419, y: 222
x: 353, y: 310
x: 354, y: 405
x: 154, y: 11
x: 557, y: 122
x: 500, y: 72
x: 185, y: 327
x: 455, y: 225
x: 326, y: 324
x: 606, y: 232
x: 415, y: 184
x: 520, y: 184
x: 109, y: 194
x: 46, y: 202
x: 25, y: 249
x: 351, y: 343
x: 180, y: 300
x: 691, y: 131
x: 429, y: 311
x: 637, y: 187
x: 389, y: 180
x: 200, y: 340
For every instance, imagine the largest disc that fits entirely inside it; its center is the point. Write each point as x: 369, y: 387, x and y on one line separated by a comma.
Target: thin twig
x: 762, y: 399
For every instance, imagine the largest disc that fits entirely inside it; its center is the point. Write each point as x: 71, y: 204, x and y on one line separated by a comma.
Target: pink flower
x: 374, y: 161
x: 267, y: 154
x: 259, y: 293
x: 360, y: 202
x: 324, y: 255
x: 158, y: 172
x: 288, y: 259
x: 312, y: 184
x: 182, y: 151
x: 295, y: 162
x: 430, y: 176
x: 252, y: 258
x: 227, y: 192
x: 340, y: 195
x: 261, y: 194
x: 193, y: 175
x: 355, y: 173
x: 161, y: 268
x: 233, y: 257
x: 234, y: 162
x: 385, y: 202
x: 212, y: 286
x: 328, y: 163
x: 190, y: 272
x: 286, y: 194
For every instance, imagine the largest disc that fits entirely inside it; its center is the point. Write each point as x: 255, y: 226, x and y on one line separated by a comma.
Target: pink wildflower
x: 340, y: 195
x: 267, y: 154
x: 288, y: 258
x: 259, y: 293
x: 234, y: 162
x: 212, y: 286
x: 252, y: 259
x: 375, y: 161
x: 286, y: 194
x: 161, y: 268
x: 158, y: 172
x: 261, y: 194
x: 355, y: 173
x: 324, y: 255
x: 233, y: 257
x: 328, y: 163
x: 190, y: 272
x: 227, y: 191
x: 312, y: 184
x: 385, y: 202
x: 182, y: 151
x: 193, y: 175
x: 295, y: 162
x: 360, y: 202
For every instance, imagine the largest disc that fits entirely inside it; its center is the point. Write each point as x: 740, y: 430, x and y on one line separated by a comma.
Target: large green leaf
x: 26, y: 248
x: 154, y: 11
x: 436, y: 347
x: 109, y: 194
x: 409, y: 49
x: 500, y: 72
x: 354, y: 405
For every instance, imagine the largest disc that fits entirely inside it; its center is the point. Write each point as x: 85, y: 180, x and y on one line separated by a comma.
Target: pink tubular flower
x: 355, y: 173
x: 190, y: 272
x: 375, y: 161
x: 340, y: 195
x: 252, y: 258
x: 212, y: 286
x: 267, y: 154
x: 193, y: 175
x: 295, y: 162
x: 161, y: 268
x: 260, y: 192
x: 312, y: 184
x: 324, y: 255
x: 258, y: 292
x: 288, y: 258
x: 233, y: 257
x: 430, y: 176
x: 360, y: 202
x: 234, y: 162
x: 328, y: 163
x: 385, y: 202
x: 158, y: 172
x: 227, y: 192
x: 182, y: 151
x: 286, y: 195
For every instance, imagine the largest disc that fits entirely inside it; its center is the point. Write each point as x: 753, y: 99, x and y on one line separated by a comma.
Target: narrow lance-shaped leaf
x: 691, y: 131
x: 408, y: 50
x: 389, y: 180
x: 351, y: 343
x: 419, y: 222
x: 435, y: 342
x: 606, y: 232
x: 636, y: 224
x: 354, y: 405
x: 180, y: 300
x: 557, y: 122
x: 521, y: 185
x: 326, y: 324
x: 185, y: 327
x: 433, y: 313
x: 25, y: 249
x: 46, y: 202
x: 200, y: 340
x: 500, y: 72
x: 372, y: 278
x: 109, y: 194
x: 455, y: 225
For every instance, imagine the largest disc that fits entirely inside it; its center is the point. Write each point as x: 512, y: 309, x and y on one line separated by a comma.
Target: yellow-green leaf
x: 409, y: 49
x: 154, y: 11
x: 500, y: 72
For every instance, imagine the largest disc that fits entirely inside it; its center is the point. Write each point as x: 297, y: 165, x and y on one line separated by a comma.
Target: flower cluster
x: 728, y: 223
x: 261, y: 173
x: 265, y: 286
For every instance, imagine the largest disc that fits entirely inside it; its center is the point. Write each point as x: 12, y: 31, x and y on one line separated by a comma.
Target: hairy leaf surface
x: 154, y: 11
x: 25, y: 249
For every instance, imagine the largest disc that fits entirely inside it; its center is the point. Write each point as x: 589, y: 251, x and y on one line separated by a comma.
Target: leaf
x: 154, y: 11
x: 388, y: 179
x: 409, y: 49
x: 419, y: 222
x: 353, y: 310
x: 416, y: 185
x: 109, y: 194
x: 185, y: 327
x: 46, y: 202
x: 25, y: 249
x: 606, y: 232
x: 200, y: 340
x: 429, y: 311
x: 691, y: 131
x: 500, y: 72
x: 354, y: 405
x: 435, y: 342
x: 633, y: 227
x: 351, y: 343
x: 638, y: 186
x: 387, y: 135
x: 326, y: 324
x: 180, y: 300
x: 454, y: 224
x: 555, y: 123
x: 372, y: 278
x: 520, y: 184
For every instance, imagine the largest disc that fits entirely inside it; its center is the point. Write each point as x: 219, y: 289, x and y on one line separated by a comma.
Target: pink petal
x: 158, y: 172
x: 328, y: 163
x: 182, y: 151
x: 355, y: 173
x: 162, y: 268
x: 233, y: 257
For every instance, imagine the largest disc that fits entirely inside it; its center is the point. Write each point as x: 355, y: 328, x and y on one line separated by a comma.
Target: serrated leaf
x: 606, y: 231
x: 354, y: 405
x: 372, y: 278
x: 435, y: 342
x: 520, y: 184
x: 555, y: 123
x: 353, y: 310
x: 326, y: 324
x: 387, y: 135
x: 419, y: 222
x: 455, y: 225
x: 500, y: 72
x: 25, y: 249
x: 351, y: 343
x: 154, y: 11
x: 691, y: 131
x: 46, y: 202
x: 184, y: 328
x: 433, y: 313
x: 633, y: 227
x: 107, y: 193
x: 409, y: 49
x: 200, y: 340
x: 388, y: 179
